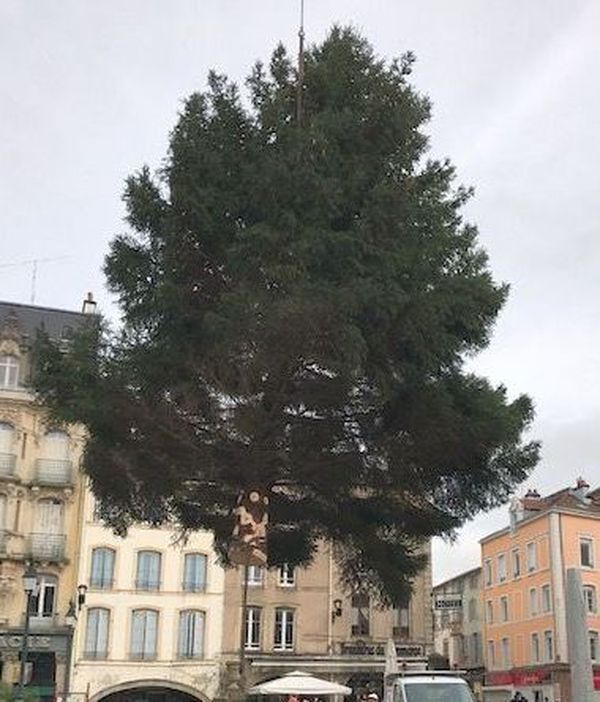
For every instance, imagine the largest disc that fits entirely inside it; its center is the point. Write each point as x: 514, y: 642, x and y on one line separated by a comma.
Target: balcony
x: 8, y: 462
x: 52, y: 472
x: 47, y: 547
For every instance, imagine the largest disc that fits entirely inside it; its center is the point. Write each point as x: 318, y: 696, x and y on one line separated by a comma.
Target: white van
x: 428, y: 687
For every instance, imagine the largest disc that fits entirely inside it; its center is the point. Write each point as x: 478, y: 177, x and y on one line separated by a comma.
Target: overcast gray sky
x: 89, y: 91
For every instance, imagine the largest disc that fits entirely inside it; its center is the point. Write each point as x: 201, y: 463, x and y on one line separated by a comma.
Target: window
x: 9, y: 371
x: 191, y: 634
x: 516, y: 563
x: 533, y: 602
x: 194, y: 572
x: 256, y: 575
x: 489, y: 612
x: 55, y: 445
x: 491, y: 653
x: 148, y: 570
x: 103, y: 565
x: 287, y: 575
x: 401, y: 626
x: 489, y: 577
x: 96, y: 633
x: 589, y: 597
x: 502, y: 568
x: 472, y: 609
x: 360, y: 614
x: 252, y: 637
x: 144, y: 630
x: 506, y: 661
x: 546, y: 599
x: 586, y: 550
x: 2, y: 514
x: 594, y: 645
x: 284, y: 629
x: 548, y: 647
x: 504, y: 608
x: 535, y: 648
x: 475, y: 648
x: 532, y: 563
x: 43, y: 602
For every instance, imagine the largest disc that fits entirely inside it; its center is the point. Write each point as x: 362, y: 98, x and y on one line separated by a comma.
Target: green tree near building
x: 298, y: 301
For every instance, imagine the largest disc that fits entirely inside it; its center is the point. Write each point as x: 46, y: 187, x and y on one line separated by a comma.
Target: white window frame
x: 489, y: 611
x: 104, y: 582
x: 593, y: 639
x: 286, y: 575
x: 491, y: 654
x: 590, y: 598
x: 143, y: 654
x: 9, y: 371
x: 516, y: 563
x: 97, y: 651
x: 532, y: 557
x: 502, y: 568
x: 253, y: 628
x: 44, y: 583
x: 191, y: 630
x: 535, y: 651
x: 193, y: 585
x: 488, y: 572
x: 546, y: 603
x: 588, y: 540
x: 549, y: 650
x: 533, y: 602
x: 506, y: 652
x: 285, y: 629
x: 141, y: 583
x: 255, y: 576
x: 504, y: 609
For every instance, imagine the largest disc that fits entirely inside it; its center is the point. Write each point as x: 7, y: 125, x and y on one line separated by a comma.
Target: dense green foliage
x: 298, y: 302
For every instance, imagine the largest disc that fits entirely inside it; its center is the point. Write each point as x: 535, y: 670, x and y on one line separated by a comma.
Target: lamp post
x: 29, y: 586
x: 71, y: 621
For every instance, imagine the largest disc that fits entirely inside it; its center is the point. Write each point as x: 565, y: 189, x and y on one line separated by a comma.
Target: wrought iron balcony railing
x: 52, y: 472
x: 8, y: 462
x: 47, y: 547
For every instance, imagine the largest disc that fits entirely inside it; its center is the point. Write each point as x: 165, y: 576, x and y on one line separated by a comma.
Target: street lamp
x: 71, y: 621
x: 30, y: 581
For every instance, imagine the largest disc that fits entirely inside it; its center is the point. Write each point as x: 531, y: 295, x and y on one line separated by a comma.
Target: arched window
x: 43, y: 602
x: 194, y: 572
x: 53, y: 466
x: 148, y: 570
x: 103, y: 566
x: 144, y: 631
x: 191, y: 634
x: 96, y: 633
x: 9, y: 371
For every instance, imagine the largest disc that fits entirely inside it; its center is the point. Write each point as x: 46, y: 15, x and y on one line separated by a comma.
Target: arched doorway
x: 153, y: 692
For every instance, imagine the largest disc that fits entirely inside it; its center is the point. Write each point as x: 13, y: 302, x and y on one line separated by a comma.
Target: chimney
x: 532, y: 502
x: 581, y: 491
x: 89, y: 304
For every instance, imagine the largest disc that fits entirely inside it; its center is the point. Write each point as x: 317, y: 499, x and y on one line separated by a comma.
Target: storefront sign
x: 14, y: 641
x: 448, y: 601
x: 519, y: 678
x: 362, y: 648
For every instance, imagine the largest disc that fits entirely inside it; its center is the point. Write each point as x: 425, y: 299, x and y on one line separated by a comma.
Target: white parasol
x: 299, y: 683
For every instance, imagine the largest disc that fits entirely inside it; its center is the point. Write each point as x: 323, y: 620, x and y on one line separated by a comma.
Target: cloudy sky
x: 89, y: 91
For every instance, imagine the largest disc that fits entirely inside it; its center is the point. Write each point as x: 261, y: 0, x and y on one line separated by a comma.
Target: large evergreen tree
x: 298, y: 302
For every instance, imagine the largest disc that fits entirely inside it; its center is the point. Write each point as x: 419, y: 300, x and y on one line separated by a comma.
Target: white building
x: 151, y: 626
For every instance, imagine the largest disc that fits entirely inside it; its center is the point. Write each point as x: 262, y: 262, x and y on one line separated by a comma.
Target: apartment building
x: 458, y: 624
x: 301, y: 618
x: 525, y: 607
x: 151, y: 627
x: 40, y: 502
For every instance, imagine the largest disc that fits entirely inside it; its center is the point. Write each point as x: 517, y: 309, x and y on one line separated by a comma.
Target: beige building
x: 152, y: 623
x: 458, y: 624
x: 39, y: 507
x: 302, y: 619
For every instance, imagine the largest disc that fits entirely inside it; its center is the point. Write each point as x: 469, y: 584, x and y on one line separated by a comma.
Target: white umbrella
x: 391, y: 658
x: 299, y: 683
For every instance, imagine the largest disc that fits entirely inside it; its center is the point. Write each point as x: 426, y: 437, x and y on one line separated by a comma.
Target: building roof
x: 28, y: 319
x: 459, y: 576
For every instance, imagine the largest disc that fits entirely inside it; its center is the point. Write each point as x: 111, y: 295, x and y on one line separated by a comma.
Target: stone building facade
x: 40, y: 503
x: 303, y: 619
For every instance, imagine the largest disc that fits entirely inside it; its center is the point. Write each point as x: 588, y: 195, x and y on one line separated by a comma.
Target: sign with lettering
x: 448, y: 601
x: 10, y: 640
x: 362, y: 648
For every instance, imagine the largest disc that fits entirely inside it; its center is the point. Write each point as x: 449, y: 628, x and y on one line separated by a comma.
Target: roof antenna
x: 300, y: 84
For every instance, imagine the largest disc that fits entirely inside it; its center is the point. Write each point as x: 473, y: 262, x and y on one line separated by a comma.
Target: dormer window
x: 9, y: 371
